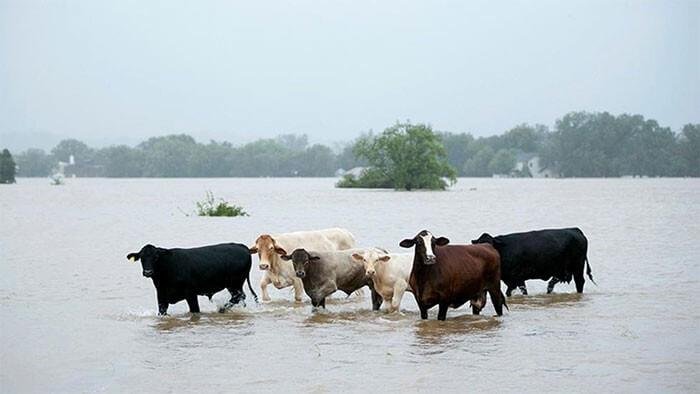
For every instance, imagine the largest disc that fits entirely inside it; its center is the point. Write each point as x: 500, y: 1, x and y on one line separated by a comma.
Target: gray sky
x: 121, y: 71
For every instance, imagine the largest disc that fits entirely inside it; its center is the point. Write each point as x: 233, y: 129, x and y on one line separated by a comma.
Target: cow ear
x: 314, y: 258
x: 285, y: 257
x: 280, y: 251
x: 442, y: 241
x: 133, y: 256
x: 253, y: 249
x: 407, y: 243
x: 357, y: 257
x: 384, y: 258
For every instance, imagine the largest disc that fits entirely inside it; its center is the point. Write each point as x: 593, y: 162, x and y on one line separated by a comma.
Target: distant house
x: 537, y: 170
x: 528, y: 165
x: 354, y: 172
x: 74, y: 169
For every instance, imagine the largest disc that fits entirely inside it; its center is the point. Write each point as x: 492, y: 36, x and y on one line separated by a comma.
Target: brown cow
x: 451, y: 275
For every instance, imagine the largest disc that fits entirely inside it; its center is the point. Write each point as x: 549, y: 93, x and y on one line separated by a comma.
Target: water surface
x: 75, y: 315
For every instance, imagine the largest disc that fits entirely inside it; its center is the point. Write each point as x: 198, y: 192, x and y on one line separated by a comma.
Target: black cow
x: 559, y: 254
x: 183, y: 274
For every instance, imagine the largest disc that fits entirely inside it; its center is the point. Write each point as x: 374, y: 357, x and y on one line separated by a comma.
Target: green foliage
x: 34, y: 163
x: 582, y: 144
x: 503, y: 162
x: 689, y: 151
x: 478, y: 165
x: 210, y: 207
x: 404, y: 156
x: 7, y: 167
x: 80, y: 151
x: 602, y: 145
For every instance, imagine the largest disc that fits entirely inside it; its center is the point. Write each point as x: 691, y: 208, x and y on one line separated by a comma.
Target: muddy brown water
x: 76, y: 316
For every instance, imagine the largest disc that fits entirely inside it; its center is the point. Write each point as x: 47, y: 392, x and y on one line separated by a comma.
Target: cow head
x: 301, y: 260
x: 425, y: 246
x: 485, y: 238
x: 150, y: 257
x: 370, y: 258
x: 267, y: 249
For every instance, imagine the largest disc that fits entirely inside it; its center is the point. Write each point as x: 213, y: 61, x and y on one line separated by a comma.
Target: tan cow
x: 281, y: 273
x: 389, y: 273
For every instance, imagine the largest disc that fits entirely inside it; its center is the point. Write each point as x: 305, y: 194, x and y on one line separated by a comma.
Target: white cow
x: 389, y: 273
x: 281, y: 273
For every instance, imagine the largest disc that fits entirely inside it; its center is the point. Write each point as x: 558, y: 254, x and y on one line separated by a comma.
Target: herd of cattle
x: 324, y: 261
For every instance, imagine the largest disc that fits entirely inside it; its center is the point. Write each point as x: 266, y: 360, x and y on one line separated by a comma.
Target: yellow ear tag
x: 132, y: 259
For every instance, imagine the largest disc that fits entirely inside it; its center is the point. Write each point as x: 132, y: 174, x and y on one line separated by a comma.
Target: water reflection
x: 174, y: 323
x: 435, y: 332
x: 547, y: 300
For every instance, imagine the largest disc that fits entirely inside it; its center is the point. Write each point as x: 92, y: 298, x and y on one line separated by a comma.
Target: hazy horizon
x: 120, y: 72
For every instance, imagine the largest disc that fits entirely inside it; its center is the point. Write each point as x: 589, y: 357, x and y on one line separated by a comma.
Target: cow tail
x: 588, y: 271
x: 255, y: 296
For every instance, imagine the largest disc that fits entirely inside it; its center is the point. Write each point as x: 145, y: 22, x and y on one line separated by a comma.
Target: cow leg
x: 442, y: 312
x: 523, y: 288
x: 263, y: 287
x: 193, y: 303
x: 550, y: 286
x: 423, y: 312
x: 475, y: 310
x: 496, y: 299
x: 162, y: 303
x: 399, y: 289
x: 298, y: 289
x: 237, y: 295
x: 478, y: 303
x: 579, y: 280
x: 509, y: 291
x: 376, y: 300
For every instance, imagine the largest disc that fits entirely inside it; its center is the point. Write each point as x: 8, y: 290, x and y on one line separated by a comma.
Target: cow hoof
x: 222, y: 310
x: 266, y: 299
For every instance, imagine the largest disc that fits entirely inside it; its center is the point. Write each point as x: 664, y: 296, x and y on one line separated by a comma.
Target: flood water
x: 76, y: 316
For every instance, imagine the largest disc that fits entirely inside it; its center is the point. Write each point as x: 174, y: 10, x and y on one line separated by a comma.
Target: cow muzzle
x: 147, y: 273
x: 370, y: 272
x: 300, y: 274
x: 264, y: 267
x: 430, y: 260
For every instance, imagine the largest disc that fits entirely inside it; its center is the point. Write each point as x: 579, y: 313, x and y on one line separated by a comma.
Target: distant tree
x: 478, y: 166
x: 81, y: 152
x: 346, y: 158
x: 503, y: 162
x: 316, y: 161
x: 167, y: 156
x: 34, y: 163
x: 689, y: 150
x: 121, y: 161
x: 602, y: 145
x: 405, y: 156
x: 459, y: 148
x: 523, y: 137
x: 293, y: 142
x: 7, y: 167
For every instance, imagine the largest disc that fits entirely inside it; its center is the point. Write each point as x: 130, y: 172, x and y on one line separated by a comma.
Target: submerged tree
x: 404, y: 156
x: 7, y: 167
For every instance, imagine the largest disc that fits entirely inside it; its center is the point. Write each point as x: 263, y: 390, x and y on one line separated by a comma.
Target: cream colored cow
x: 280, y: 273
x: 389, y: 273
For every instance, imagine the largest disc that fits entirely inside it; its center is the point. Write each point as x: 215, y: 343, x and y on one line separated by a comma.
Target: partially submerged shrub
x: 210, y: 207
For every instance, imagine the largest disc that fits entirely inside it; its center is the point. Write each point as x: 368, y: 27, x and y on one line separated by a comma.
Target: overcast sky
x: 121, y: 71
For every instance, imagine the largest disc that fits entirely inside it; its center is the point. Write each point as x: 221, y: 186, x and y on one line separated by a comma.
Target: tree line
x: 581, y: 144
